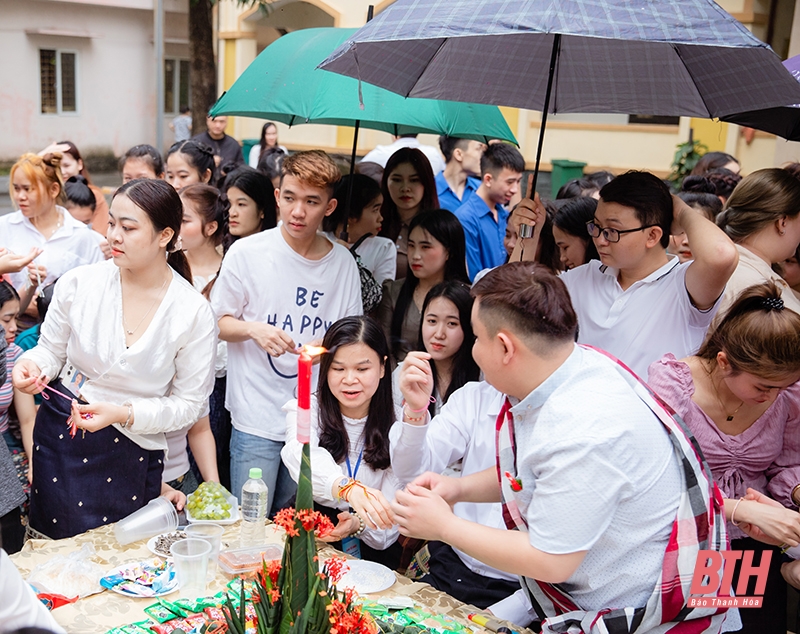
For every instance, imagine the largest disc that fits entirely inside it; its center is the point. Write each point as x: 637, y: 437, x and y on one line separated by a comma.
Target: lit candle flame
x: 313, y: 351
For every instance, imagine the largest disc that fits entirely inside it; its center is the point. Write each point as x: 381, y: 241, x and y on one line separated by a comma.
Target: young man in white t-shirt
x: 639, y: 302
x: 277, y: 290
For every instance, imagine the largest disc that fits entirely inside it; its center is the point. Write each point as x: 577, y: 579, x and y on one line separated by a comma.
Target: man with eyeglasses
x: 639, y: 302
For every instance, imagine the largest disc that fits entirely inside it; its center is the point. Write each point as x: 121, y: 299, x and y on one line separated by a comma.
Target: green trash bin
x: 564, y: 171
x: 247, y: 145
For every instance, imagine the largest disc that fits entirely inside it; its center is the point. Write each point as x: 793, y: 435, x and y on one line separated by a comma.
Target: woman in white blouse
x: 134, y: 342
x: 42, y: 226
x: 350, y: 421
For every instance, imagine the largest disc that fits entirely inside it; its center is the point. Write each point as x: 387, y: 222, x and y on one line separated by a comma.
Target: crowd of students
x: 482, y: 412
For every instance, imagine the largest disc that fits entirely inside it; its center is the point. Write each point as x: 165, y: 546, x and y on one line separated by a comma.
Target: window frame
x: 176, y: 84
x: 59, y: 83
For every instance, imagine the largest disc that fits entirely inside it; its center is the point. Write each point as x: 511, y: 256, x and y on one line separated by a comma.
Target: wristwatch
x: 340, y: 485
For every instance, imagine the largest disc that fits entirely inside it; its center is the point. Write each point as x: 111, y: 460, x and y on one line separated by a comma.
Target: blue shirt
x: 484, y: 235
x: 448, y: 198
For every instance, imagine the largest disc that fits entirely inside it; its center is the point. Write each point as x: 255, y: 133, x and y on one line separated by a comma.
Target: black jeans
x: 771, y: 617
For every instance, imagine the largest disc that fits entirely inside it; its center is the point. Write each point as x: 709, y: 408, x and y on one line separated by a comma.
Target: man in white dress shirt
x: 591, y: 478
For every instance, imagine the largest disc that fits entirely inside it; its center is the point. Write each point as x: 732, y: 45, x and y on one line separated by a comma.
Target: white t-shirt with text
x: 263, y: 279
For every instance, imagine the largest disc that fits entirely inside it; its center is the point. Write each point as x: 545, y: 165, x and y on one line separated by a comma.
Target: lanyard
x: 350, y: 472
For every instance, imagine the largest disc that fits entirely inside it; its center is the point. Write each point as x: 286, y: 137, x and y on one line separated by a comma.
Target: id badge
x: 74, y: 380
x: 352, y: 546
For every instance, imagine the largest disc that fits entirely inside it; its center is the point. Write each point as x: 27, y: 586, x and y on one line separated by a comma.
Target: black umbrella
x: 682, y: 57
x: 783, y: 121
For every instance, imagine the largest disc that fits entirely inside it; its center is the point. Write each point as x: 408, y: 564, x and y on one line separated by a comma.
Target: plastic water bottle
x: 254, y: 509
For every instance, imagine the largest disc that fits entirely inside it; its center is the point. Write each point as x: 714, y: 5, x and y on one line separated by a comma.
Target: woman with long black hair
x: 350, y: 421
x: 408, y: 187
x: 446, y: 336
x: 436, y: 252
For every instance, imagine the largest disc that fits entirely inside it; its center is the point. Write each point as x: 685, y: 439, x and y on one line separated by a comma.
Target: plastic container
x: 246, y: 561
x: 211, y: 533
x: 564, y: 171
x: 254, y: 498
x: 156, y: 517
x: 191, y: 566
x: 231, y: 520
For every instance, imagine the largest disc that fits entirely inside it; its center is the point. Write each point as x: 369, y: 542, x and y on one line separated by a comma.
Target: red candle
x: 304, y: 397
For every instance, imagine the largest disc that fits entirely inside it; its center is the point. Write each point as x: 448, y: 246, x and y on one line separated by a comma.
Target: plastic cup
x: 156, y: 517
x: 190, y: 557
x: 211, y: 533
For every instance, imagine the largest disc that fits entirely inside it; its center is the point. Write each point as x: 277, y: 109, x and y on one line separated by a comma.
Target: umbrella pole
x: 343, y: 235
x: 553, y: 60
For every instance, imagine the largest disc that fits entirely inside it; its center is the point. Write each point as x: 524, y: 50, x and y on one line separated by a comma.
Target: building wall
x: 115, y: 72
x: 600, y: 141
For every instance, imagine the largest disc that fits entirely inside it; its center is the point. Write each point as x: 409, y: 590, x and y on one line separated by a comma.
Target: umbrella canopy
x: 284, y: 84
x: 676, y: 57
x: 783, y: 121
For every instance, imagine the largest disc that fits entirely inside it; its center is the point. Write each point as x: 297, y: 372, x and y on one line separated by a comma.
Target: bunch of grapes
x: 209, y: 502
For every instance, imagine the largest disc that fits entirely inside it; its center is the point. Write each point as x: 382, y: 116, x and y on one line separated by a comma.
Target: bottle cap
x: 255, y: 473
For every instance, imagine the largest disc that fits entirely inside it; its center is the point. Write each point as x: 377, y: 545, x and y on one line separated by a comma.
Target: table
x: 99, y: 613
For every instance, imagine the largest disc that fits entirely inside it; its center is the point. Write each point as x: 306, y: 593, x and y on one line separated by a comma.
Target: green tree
x: 685, y: 159
x: 201, y: 54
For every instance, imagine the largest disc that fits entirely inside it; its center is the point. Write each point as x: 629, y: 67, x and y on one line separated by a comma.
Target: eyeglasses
x: 611, y: 235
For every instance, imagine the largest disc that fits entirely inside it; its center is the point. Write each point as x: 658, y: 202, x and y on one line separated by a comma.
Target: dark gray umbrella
x: 783, y: 121
x: 676, y: 57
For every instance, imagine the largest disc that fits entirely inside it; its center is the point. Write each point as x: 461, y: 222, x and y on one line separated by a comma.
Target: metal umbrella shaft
x: 553, y: 62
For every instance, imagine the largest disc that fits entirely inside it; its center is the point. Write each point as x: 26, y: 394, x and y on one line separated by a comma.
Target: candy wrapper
x: 411, y: 620
x: 142, y: 579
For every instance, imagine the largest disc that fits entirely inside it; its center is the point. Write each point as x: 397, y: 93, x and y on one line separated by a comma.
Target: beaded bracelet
x: 733, y: 515
x: 361, y: 526
x: 412, y: 419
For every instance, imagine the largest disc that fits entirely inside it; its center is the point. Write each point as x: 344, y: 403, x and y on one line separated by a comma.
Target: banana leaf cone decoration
x: 295, y: 597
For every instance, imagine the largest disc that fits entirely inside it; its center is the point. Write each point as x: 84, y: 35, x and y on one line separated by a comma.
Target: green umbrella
x: 284, y: 84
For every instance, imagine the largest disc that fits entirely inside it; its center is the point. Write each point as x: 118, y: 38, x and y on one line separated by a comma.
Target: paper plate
x: 231, y: 520
x: 151, y: 543
x: 366, y: 577
x: 139, y: 590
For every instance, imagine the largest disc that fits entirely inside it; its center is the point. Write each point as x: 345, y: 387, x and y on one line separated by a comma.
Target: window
x: 176, y: 85
x: 58, y: 75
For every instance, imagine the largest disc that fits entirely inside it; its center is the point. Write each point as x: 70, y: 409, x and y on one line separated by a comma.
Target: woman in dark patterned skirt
x: 131, y: 346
